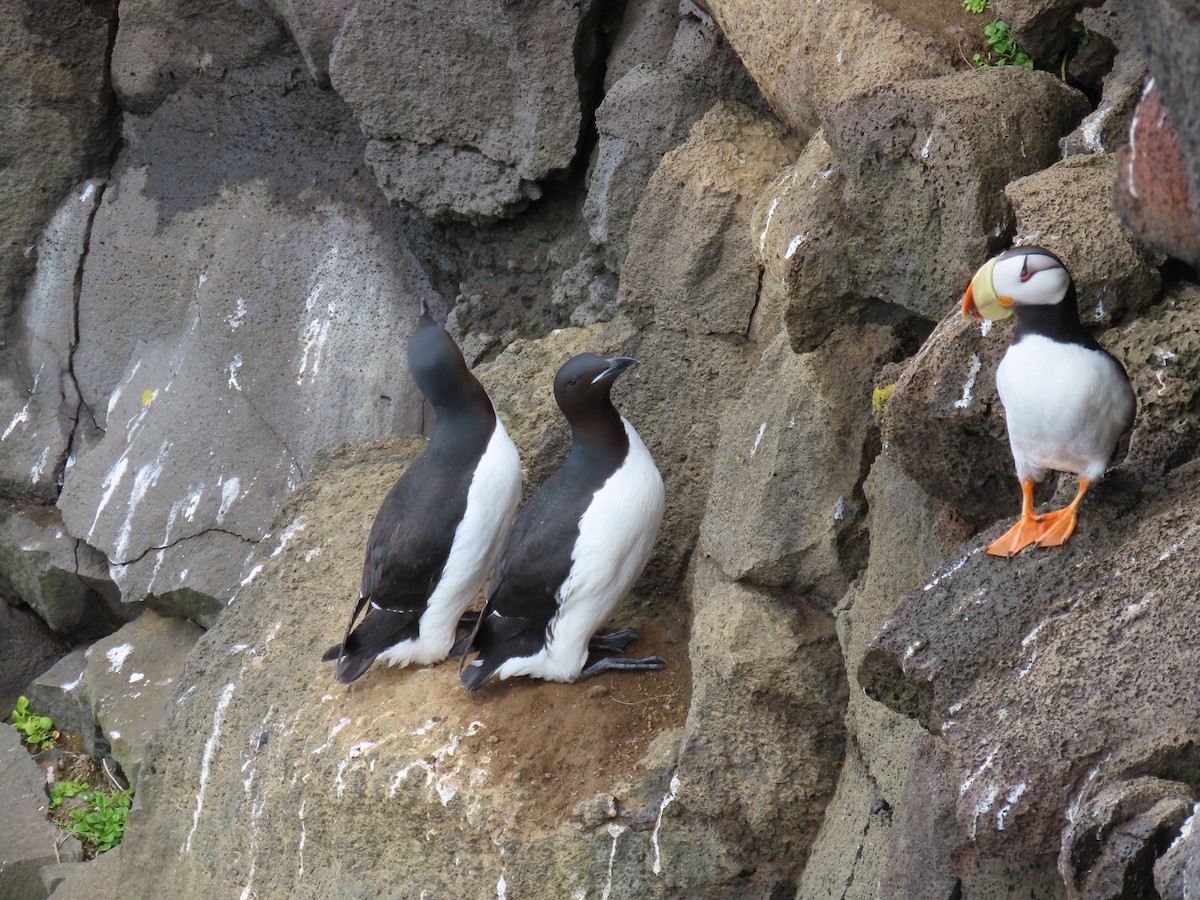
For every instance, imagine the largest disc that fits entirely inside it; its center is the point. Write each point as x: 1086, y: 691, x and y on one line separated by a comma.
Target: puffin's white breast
x: 1066, y: 405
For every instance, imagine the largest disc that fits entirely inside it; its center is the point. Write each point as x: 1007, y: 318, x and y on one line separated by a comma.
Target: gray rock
x: 59, y: 577
x: 163, y: 47
x: 1042, y: 27
x: 689, y: 286
x: 1107, y: 127
x: 1112, y: 842
x: 314, y: 26
x: 695, y: 265
x: 806, y: 59
x: 925, y: 175
x: 774, y: 469
x: 946, y: 397
x: 55, y: 130
x: 871, y: 833
x: 131, y: 676
x: 444, y: 181
x: 487, y: 85
x: 1161, y: 353
x: 39, y: 399
x: 1055, y: 673
x: 91, y: 880
x: 763, y: 741
x: 27, y: 648
x: 1178, y: 869
x: 59, y: 693
x: 645, y: 36
x: 31, y: 839
x: 238, y: 312
x: 1067, y: 208
x: 649, y: 111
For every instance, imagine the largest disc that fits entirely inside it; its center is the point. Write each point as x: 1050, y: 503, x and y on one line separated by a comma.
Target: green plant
x: 63, y: 789
x: 976, y: 6
x: 99, y: 822
x: 1004, y: 46
x: 38, y: 730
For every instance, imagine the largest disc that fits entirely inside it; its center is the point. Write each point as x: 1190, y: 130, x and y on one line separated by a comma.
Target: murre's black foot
x: 466, y: 627
x: 616, y: 663
x: 613, y: 642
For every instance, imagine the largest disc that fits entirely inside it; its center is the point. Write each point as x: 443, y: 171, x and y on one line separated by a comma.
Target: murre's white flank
x: 576, y: 548
x: 492, y: 502
x: 440, y: 527
x: 616, y: 535
x: 1066, y: 399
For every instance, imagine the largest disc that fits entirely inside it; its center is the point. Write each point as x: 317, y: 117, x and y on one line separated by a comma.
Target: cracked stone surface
x: 129, y: 679
x: 485, y: 94
x: 39, y: 399
x: 30, y: 838
x: 232, y: 324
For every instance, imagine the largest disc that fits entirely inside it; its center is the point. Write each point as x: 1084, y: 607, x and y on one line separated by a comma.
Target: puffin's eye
x: 571, y: 383
x: 1025, y: 273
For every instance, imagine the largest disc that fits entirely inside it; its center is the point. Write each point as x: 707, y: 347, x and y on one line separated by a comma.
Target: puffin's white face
x: 1022, y: 276
x: 1030, y: 279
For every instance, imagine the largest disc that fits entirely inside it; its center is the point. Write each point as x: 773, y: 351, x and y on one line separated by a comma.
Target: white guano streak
x: 210, y: 748
x: 667, y: 800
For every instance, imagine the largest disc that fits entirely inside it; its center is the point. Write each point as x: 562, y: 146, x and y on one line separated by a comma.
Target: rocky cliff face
x: 219, y: 226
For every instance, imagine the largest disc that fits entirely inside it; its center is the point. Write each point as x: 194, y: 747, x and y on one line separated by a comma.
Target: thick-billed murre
x: 438, y: 531
x: 1067, y: 400
x: 577, y: 546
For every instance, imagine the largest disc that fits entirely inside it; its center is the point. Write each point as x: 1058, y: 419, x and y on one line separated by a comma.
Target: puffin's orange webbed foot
x: 1056, y: 527
x: 1024, y: 533
x: 1027, y: 531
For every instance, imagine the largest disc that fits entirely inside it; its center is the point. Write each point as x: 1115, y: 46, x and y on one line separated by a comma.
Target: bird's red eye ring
x: 1025, y: 273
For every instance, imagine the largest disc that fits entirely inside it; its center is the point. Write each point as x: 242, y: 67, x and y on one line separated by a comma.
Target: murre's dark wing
x: 407, y: 549
x: 523, y: 597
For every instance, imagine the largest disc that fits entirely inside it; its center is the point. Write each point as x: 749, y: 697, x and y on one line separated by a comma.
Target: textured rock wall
x: 218, y: 227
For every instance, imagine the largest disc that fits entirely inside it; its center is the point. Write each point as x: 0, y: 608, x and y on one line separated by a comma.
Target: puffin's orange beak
x: 969, y: 310
x: 981, y: 301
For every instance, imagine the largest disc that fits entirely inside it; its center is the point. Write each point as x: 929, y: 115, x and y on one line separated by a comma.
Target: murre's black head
x: 583, y: 384
x: 438, y: 367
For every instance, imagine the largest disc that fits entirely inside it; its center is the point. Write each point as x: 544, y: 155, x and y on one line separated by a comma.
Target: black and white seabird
x: 577, y: 546
x: 440, y: 527
x: 1067, y: 400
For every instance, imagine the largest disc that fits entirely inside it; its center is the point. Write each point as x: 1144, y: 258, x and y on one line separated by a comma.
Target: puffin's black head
x: 1021, y: 277
x: 583, y: 384
x: 437, y: 365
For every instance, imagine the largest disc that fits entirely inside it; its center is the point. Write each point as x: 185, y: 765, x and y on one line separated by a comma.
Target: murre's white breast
x: 616, y: 535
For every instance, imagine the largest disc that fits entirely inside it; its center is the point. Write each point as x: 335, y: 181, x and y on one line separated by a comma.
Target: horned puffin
x: 577, y: 546
x: 1067, y: 400
x: 440, y: 527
